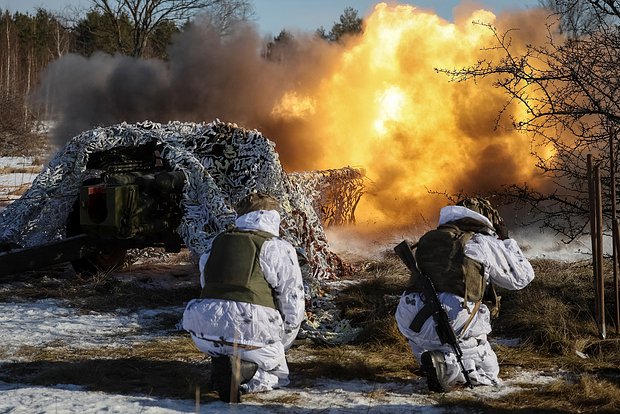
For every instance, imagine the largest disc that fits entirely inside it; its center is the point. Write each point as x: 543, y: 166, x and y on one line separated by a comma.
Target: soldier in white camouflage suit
x: 252, y: 302
x: 465, y: 257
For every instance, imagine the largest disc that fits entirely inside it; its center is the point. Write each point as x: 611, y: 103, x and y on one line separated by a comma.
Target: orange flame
x: 386, y: 109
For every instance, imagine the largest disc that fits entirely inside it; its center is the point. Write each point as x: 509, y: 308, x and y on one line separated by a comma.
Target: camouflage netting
x: 222, y: 163
x: 334, y: 193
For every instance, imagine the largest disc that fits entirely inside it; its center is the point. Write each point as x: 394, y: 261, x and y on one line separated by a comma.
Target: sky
x: 306, y: 15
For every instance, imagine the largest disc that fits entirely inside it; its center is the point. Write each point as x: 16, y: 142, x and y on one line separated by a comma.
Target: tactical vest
x: 233, y: 270
x: 440, y: 255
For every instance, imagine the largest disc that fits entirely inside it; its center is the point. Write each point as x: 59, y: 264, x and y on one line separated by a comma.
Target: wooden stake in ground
x: 600, y: 282
x: 616, y: 224
x: 593, y: 233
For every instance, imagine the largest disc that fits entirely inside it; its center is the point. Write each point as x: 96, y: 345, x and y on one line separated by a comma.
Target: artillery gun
x: 131, y: 186
x: 131, y: 200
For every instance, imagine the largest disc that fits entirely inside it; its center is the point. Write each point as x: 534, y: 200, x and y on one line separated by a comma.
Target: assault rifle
x: 442, y: 323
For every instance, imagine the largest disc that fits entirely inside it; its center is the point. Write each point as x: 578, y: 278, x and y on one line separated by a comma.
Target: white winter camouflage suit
x: 505, y: 265
x: 263, y: 333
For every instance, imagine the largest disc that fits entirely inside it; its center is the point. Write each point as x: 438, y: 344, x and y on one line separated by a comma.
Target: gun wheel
x: 101, y: 262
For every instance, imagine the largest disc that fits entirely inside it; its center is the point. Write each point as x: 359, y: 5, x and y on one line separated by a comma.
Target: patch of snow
x: 50, y: 321
x: 348, y: 396
x: 328, y: 396
x: 509, y: 342
x: 16, y: 162
x: 531, y: 378
x: 23, y: 399
x: 10, y: 181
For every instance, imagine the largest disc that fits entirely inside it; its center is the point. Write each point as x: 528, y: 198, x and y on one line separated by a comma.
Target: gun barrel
x: 403, y: 251
x: 36, y: 257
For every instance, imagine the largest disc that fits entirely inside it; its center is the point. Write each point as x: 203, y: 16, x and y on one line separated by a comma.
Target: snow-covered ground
x: 327, y: 396
x: 16, y: 162
x: 48, y: 321
x: 14, y: 180
x: 11, y: 182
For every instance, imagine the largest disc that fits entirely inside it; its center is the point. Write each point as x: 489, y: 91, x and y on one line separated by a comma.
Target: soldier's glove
x: 502, y: 231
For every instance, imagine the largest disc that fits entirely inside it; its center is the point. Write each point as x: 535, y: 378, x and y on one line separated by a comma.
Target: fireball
x: 387, y: 109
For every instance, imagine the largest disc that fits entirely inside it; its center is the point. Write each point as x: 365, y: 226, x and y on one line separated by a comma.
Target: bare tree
x: 225, y: 14
x: 569, y: 89
x: 575, y: 17
x: 145, y: 16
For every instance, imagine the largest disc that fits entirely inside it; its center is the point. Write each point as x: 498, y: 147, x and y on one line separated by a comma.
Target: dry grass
x: 348, y: 362
x: 171, y: 367
x: 289, y: 399
x: 552, y: 317
x: 178, y: 347
x: 555, y: 314
x: 134, y: 289
x: 584, y: 394
x: 372, y: 303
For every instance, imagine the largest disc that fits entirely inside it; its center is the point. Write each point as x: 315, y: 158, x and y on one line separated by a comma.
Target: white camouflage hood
x: 263, y: 220
x: 452, y: 213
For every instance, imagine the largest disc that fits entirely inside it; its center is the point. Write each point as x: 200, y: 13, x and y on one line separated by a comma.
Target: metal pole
x: 599, y: 251
x: 593, y: 233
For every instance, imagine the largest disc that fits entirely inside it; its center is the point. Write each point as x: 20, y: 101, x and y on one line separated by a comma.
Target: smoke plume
x: 373, y: 101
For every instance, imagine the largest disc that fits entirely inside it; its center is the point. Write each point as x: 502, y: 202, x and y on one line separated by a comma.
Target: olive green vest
x: 233, y: 270
x: 440, y: 255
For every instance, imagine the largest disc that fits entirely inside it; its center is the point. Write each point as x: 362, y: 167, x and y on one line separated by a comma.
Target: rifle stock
x: 442, y: 322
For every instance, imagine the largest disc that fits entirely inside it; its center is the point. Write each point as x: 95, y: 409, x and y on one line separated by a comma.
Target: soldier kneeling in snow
x: 465, y: 257
x: 252, y: 302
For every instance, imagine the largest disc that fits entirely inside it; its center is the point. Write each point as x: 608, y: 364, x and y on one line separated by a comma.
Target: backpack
x: 440, y: 255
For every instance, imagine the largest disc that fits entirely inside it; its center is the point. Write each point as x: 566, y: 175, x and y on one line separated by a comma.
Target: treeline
x: 29, y: 42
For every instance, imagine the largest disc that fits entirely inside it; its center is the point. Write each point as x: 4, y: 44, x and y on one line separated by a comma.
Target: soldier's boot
x: 228, y: 373
x: 434, y: 365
